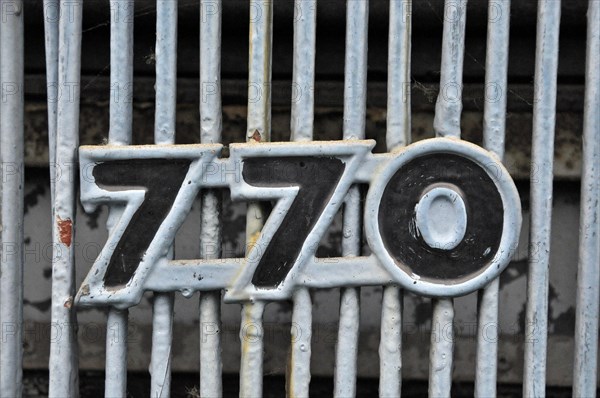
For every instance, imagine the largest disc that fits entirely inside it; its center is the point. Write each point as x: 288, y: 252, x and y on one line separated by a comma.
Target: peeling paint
x: 65, y: 230
x: 69, y: 302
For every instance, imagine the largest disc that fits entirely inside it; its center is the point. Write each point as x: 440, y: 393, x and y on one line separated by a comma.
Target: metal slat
x: 441, y: 349
x: 164, y: 134
x: 210, y: 233
x: 303, y: 80
x: 259, y: 71
x: 11, y: 153
x: 588, y: 274
x: 494, y: 128
x: 120, y: 132
x: 64, y: 380
x: 542, y: 153
x: 258, y: 130
x: 399, y: 82
x: 115, y: 384
x: 166, y: 71
x: 355, y: 103
x: 446, y: 123
x: 302, y: 116
x: 398, y: 131
x: 252, y: 339
x: 51, y: 15
x: 390, y: 346
x: 298, y: 377
x: 448, y: 106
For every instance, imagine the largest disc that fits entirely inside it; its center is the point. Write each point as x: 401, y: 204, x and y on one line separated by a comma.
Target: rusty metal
x: 438, y: 219
x: 64, y: 379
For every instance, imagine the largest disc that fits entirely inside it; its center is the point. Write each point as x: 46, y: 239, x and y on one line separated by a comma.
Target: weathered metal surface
x: 441, y: 350
x: 245, y: 283
x: 398, y: 133
x: 328, y: 124
x: 446, y: 122
x: 51, y: 15
x: 354, y: 119
x: 211, y: 362
x: 164, y: 133
x: 536, y: 323
x: 11, y: 223
x: 63, y: 364
x: 238, y: 275
x: 91, y: 235
x: 258, y: 130
x: 585, y: 368
x: 494, y: 128
x: 301, y: 129
x: 119, y: 133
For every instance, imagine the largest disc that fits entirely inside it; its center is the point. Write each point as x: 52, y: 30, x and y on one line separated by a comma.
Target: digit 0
x: 443, y: 217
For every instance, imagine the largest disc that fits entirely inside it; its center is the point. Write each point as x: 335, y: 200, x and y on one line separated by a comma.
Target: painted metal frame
x: 63, y: 51
x: 206, y: 170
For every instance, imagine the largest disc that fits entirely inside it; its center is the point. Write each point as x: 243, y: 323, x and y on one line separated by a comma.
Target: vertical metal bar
x: 115, y: 384
x: 303, y: 80
x: 210, y: 71
x: 164, y: 134
x: 390, y: 346
x: 120, y: 132
x: 162, y: 339
x: 496, y: 72
x: 355, y: 69
x: 64, y: 380
x: 302, y: 117
x: 51, y: 15
x: 121, y: 72
x: 397, y: 135
x: 298, y: 377
x: 211, y: 364
x: 588, y: 275
x: 259, y: 71
x: 11, y: 153
x: 494, y: 122
x: 210, y: 234
x: 542, y: 153
x: 355, y: 103
x: 398, y: 94
x: 449, y: 102
x: 446, y: 122
x: 166, y: 71
x: 441, y: 349
x: 252, y: 339
x: 258, y: 130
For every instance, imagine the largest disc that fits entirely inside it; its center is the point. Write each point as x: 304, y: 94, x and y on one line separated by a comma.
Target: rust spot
x: 256, y: 136
x: 65, y: 230
x: 68, y: 303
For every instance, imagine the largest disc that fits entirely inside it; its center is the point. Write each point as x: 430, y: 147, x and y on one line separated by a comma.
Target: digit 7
x: 317, y: 179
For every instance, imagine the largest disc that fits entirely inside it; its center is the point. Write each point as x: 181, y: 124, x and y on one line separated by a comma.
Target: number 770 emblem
x: 442, y: 217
